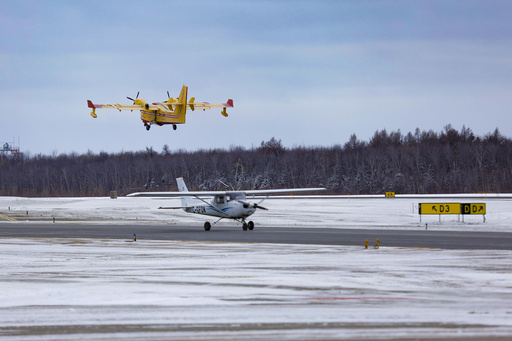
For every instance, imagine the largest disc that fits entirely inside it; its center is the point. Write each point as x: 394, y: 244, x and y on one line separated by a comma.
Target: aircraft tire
x: 174, y: 127
x: 207, y: 226
x: 244, y: 226
x: 251, y: 225
x: 148, y: 126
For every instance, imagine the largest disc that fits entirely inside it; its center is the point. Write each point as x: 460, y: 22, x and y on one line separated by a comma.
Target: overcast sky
x: 309, y: 73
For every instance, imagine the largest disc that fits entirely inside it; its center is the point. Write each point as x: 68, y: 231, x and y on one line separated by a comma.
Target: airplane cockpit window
x: 220, y: 200
x: 236, y: 196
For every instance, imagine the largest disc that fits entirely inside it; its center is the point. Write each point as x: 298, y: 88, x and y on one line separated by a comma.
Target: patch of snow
x: 108, y: 289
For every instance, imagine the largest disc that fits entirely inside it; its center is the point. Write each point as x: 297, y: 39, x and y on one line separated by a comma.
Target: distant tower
x: 9, y: 149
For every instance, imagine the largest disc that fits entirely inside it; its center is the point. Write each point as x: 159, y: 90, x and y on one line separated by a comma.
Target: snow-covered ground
x: 113, y: 289
x: 335, y: 212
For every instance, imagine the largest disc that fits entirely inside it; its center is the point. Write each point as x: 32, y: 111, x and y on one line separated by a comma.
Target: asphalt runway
x: 461, y: 240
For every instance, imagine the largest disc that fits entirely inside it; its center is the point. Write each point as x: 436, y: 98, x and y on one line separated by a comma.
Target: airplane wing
x: 284, y: 191
x: 90, y: 104
x: 177, y: 194
x: 163, y: 107
x: 206, y: 105
x: 170, y: 107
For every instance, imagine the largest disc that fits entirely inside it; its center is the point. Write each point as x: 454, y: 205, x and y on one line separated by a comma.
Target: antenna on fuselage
x: 225, y: 184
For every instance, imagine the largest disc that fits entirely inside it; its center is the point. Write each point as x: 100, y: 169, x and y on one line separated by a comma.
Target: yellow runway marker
x: 7, y: 218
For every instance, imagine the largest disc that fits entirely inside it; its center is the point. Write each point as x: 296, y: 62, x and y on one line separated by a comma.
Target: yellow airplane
x: 172, y: 111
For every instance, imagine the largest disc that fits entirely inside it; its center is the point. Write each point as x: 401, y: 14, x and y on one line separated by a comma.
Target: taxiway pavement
x: 463, y: 240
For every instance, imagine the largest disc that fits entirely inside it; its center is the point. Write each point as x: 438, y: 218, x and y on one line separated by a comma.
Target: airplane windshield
x: 236, y: 196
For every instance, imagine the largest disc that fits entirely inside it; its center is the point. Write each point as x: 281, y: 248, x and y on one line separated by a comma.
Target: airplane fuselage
x: 160, y: 118
x: 231, y: 209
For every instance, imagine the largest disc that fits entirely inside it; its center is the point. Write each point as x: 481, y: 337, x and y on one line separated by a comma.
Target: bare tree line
x: 421, y: 162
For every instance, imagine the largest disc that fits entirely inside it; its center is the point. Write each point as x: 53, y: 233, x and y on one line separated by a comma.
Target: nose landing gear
x: 207, y: 226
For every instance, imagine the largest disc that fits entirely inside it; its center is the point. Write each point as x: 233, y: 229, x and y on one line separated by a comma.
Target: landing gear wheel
x: 251, y: 226
x: 147, y: 126
x: 244, y: 226
x: 174, y: 127
x: 207, y: 226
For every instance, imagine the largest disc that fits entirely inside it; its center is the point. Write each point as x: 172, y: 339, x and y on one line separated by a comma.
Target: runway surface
x: 286, y: 235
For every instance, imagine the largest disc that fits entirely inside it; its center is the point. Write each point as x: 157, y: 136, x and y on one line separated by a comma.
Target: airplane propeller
x: 248, y: 204
x: 260, y: 207
x: 133, y: 100
x: 146, y: 105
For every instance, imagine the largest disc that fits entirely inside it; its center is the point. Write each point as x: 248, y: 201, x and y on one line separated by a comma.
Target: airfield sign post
x: 439, y: 208
x: 476, y: 208
x: 452, y: 208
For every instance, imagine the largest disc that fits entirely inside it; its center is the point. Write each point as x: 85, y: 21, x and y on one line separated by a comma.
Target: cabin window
x: 220, y: 200
x: 236, y: 196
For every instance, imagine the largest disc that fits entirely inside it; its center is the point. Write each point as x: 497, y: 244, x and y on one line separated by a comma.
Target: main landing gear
x: 148, y: 126
x: 249, y: 225
x: 245, y: 226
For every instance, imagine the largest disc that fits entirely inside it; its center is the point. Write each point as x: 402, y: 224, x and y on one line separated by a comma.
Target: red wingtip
x: 89, y: 104
x: 230, y: 103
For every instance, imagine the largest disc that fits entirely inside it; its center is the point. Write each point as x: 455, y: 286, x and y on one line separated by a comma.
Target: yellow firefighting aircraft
x: 172, y: 111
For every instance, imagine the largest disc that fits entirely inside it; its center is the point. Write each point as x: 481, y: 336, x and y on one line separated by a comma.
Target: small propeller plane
x: 172, y: 111
x: 224, y: 204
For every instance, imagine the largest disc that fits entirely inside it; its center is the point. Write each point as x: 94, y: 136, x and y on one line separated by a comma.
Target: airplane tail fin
x: 181, y: 107
x: 182, y: 187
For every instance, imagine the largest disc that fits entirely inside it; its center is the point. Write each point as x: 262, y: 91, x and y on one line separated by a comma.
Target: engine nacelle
x: 141, y: 102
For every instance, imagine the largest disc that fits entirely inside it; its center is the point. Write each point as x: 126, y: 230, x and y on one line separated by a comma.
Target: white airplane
x: 224, y: 204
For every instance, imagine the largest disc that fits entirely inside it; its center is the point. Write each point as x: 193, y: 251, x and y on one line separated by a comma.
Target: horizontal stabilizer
x: 172, y: 208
